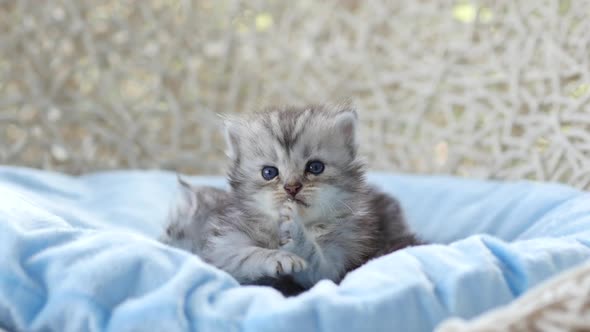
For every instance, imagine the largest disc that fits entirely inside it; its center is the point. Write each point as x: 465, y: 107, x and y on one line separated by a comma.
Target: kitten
x: 298, y: 206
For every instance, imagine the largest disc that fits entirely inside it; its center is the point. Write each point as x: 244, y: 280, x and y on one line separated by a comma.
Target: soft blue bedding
x: 78, y: 254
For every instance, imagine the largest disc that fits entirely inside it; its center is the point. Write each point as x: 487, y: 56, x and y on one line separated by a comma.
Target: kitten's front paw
x: 288, y: 210
x: 285, y: 263
x: 289, y: 224
x: 287, y: 230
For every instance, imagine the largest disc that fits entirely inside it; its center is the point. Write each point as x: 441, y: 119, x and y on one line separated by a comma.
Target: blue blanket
x: 78, y: 254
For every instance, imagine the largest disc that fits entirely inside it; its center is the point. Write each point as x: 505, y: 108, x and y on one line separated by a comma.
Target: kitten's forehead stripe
x: 286, y: 127
x: 270, y: 124
x: 299, y: 125
x: 306, y: 151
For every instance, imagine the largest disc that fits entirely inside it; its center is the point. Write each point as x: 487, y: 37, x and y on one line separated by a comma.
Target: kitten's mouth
x: 300, y: 202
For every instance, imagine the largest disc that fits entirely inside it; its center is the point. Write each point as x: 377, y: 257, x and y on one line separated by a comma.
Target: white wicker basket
x: 481, y: 88
x: 560, y: 304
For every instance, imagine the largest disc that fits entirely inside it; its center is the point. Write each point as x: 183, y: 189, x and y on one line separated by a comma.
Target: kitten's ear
x: 345, y: 123
x: 232, y: 134
x: 187, y: 205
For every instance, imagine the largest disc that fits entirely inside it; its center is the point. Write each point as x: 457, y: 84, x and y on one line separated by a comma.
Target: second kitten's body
x: 298, y: 206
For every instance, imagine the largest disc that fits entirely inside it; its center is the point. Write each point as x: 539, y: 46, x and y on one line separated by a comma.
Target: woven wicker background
x: 487, y: 89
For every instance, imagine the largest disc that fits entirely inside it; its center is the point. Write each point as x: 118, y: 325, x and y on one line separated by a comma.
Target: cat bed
x: 560, y: 304
x: 78, y: 254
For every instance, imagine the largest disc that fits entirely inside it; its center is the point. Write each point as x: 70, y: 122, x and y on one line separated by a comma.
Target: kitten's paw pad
x: 286, y: 263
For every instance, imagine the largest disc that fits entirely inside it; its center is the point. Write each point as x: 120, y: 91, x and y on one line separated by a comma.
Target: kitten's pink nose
x: 293, y: 188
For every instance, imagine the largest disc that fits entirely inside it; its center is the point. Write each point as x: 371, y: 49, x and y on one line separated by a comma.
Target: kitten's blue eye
x: 315, y: 167
x: 269, y: 172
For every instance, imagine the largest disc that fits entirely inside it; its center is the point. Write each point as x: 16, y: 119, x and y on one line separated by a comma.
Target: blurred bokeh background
x: 485, y: 89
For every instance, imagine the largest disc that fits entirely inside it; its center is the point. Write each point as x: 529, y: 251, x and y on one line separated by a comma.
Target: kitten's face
x: 307, y: 154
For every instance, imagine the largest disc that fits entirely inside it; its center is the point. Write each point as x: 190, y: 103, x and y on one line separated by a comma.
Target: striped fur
x: 334, y: 224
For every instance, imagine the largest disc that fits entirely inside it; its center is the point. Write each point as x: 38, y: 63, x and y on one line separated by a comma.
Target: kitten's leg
x: 294, y: 238
x: 245, y: 262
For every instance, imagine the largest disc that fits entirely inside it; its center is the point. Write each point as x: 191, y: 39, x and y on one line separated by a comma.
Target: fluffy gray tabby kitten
x: 298, y: 206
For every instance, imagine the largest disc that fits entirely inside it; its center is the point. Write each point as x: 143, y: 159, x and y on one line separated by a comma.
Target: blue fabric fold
x: 79, y: 254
